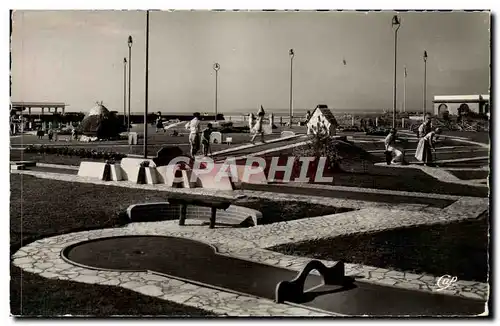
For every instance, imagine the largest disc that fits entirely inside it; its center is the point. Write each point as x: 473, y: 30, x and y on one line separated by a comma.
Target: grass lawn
x: 480, y: 137
x: 468, y: 165
x: 411, y: 180
x: 18, y: 155
x: 42, y: 297
x: 38, y: 213
x: 470, y: 175
x: 458, y: 249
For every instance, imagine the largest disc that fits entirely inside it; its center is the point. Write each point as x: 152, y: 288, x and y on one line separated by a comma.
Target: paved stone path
x: 43, y: 257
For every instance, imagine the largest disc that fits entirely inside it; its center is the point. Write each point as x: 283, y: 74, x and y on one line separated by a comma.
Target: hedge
x: 80, y: 152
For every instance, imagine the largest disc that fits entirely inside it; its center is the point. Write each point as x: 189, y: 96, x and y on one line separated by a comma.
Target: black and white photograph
x: 205, y: 164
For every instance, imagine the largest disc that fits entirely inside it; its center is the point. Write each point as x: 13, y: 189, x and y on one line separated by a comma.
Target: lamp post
x: 129, y: 78
x: 292, y: 54
x: 216, y: 69
x: 124, y: 91
x: 425, y: 83
x: 396, y: 23
x: 146, y: 89
x: 404, y: 90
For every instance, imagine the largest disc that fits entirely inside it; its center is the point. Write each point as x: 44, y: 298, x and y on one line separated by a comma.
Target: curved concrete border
x: 187, y: 281
x: 43, y: 257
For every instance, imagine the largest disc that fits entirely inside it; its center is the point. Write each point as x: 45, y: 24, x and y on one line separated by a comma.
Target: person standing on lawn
x: 205, y: 139
x: 51, y: 134
x: 159, y: 124
x: 194, y: 133
x: 308, y: 116
x: 258, y: 127
x: 40, y: 133
x: 426, y: 146
x: 396, y: 154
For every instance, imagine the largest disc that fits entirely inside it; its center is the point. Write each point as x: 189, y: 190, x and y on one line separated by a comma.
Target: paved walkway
x: 43, y: 256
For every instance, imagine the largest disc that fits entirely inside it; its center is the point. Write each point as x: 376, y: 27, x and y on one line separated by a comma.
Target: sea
x: 239, y: 115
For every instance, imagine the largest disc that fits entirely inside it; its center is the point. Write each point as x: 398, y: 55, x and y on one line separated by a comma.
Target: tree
x: 463, y: 110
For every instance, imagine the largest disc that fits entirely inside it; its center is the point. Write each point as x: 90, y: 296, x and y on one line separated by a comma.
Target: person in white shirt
x: 258, y: 128
x: 194, y: 133
x: 390, y: 141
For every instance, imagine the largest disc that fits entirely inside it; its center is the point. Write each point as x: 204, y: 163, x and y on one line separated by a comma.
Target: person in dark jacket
x: 205, y: 139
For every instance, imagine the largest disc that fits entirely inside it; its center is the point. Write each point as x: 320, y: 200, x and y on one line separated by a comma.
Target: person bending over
x: 426, y: 146
x: 396, y: 154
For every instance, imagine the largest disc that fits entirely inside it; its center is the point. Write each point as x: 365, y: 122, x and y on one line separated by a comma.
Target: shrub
x: 31, y: 149
x: 234, y: 130
x: 226, y: 124
x: 79, y: 152
x: 379, y: 131
x: 64, y: 132
x: 321, y: 146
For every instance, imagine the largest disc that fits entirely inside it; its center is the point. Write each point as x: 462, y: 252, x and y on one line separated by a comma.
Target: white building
x: 322, y: 121
x: 452, y: 103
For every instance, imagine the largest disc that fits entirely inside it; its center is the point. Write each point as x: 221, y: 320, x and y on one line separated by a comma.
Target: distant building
x: 454, y: 103
x: 40, y: 107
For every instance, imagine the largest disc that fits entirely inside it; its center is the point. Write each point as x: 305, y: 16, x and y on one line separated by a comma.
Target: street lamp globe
x: 396, y: 21
x: 425, y: 55
x: 291, y: 53
x: 129, y: 41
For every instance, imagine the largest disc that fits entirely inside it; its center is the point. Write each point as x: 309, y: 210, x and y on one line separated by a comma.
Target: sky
x: 76, y: 57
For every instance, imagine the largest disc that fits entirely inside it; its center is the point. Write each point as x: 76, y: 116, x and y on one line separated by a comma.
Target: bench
x: 213, y: 203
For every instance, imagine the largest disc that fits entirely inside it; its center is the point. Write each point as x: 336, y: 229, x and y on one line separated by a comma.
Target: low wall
x: 163, y: 211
